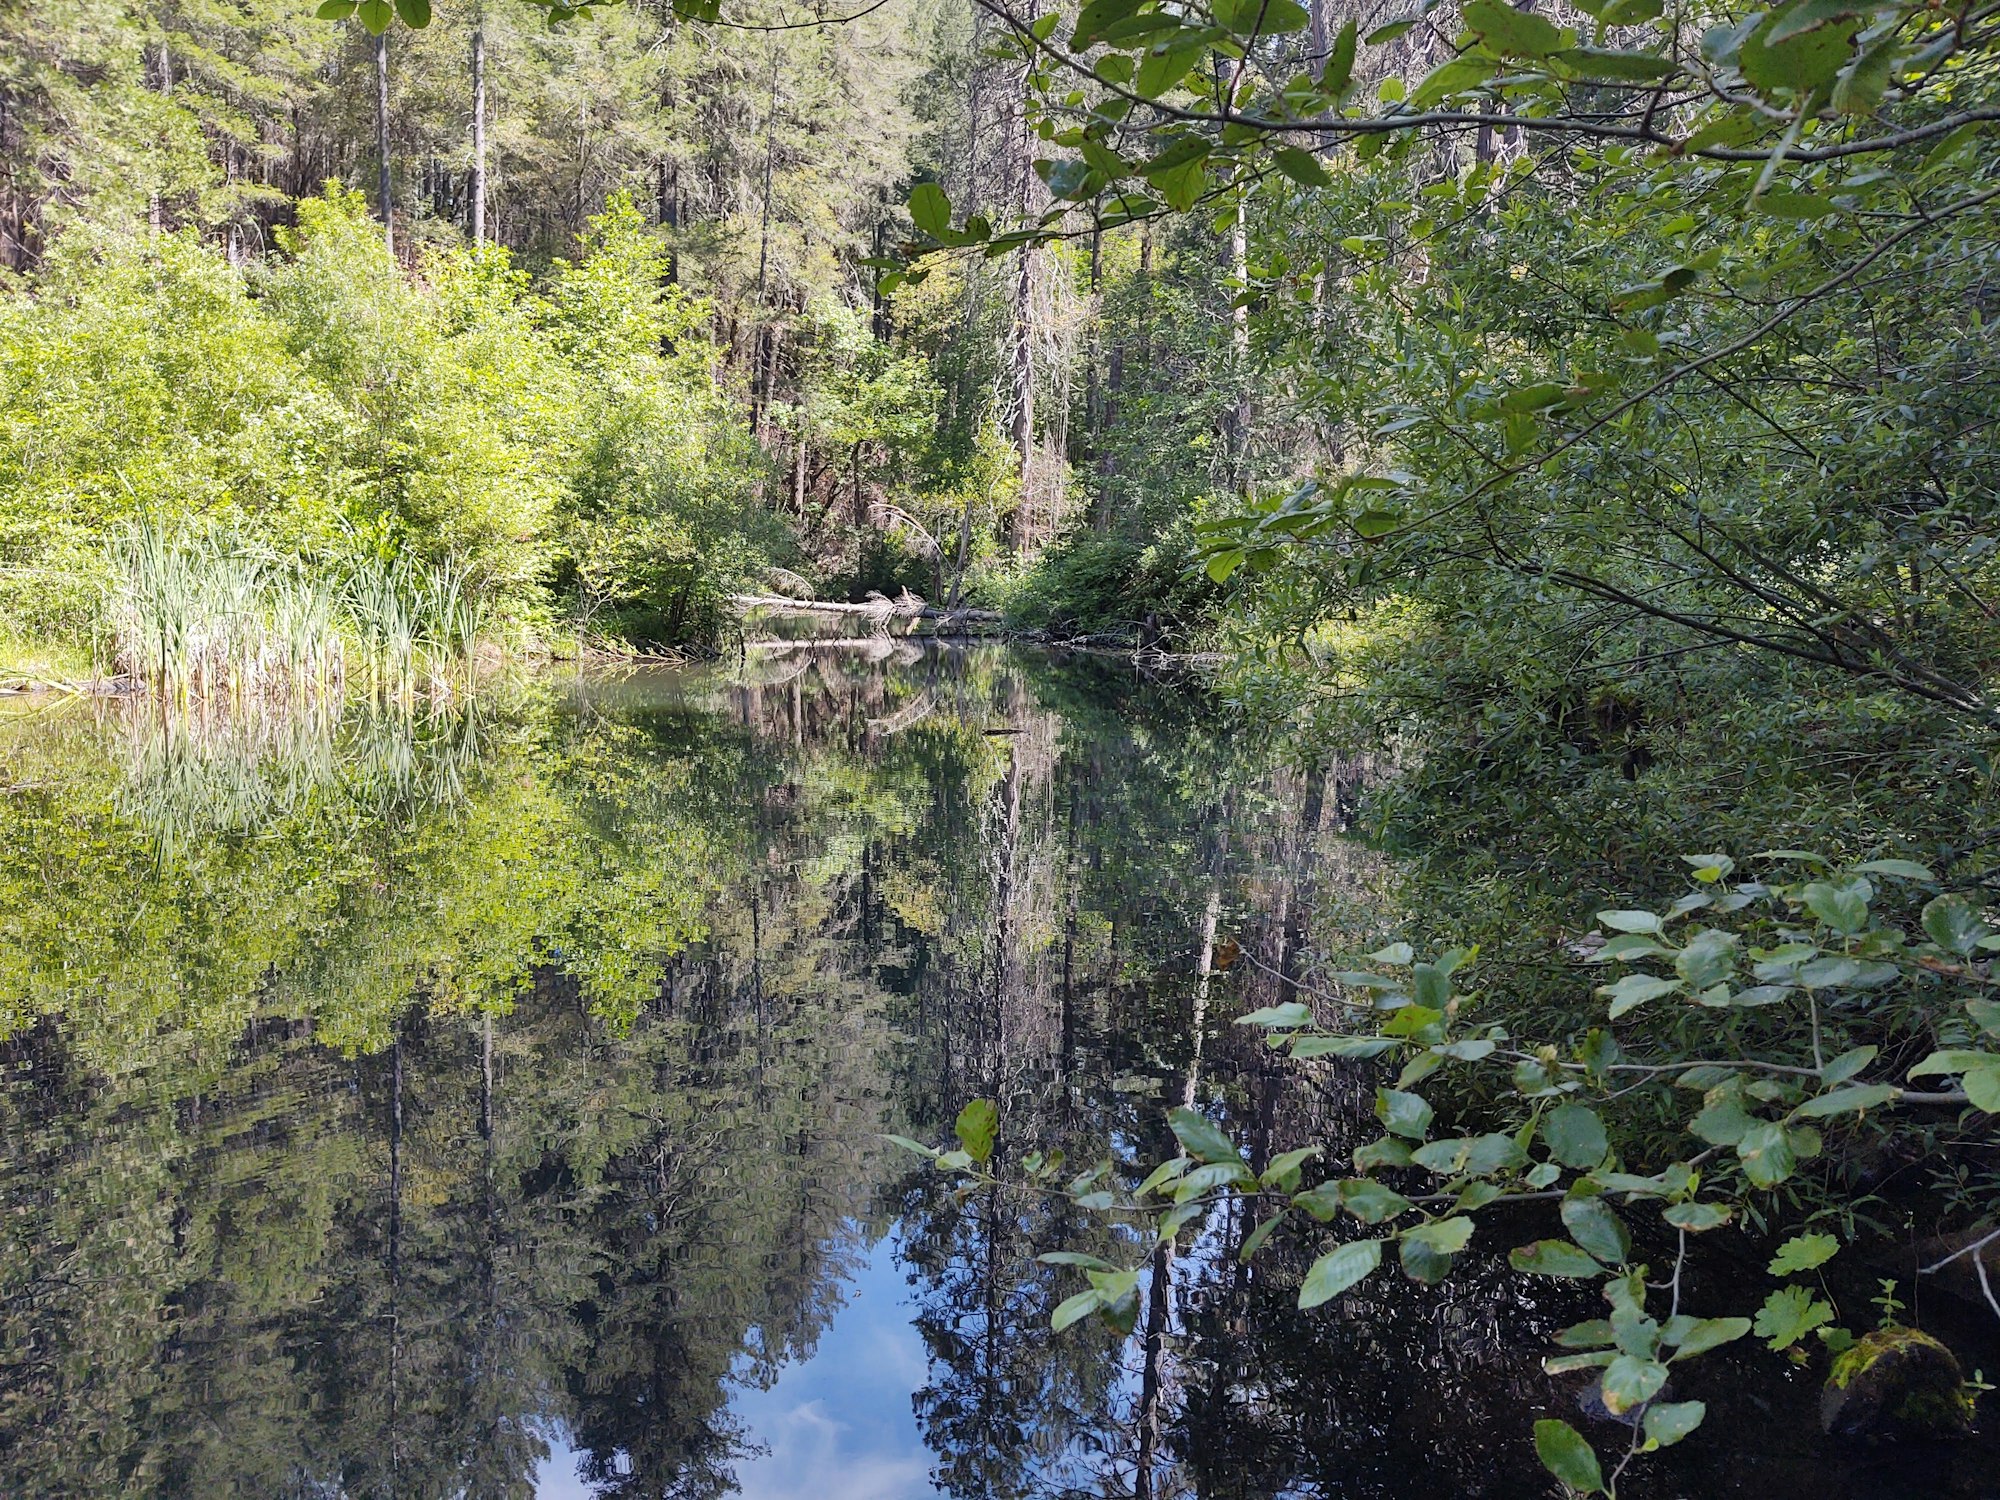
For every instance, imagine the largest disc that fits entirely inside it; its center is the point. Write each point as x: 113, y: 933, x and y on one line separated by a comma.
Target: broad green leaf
x: 1635, y: 990
x: 1955, y: 1060
x: 1337, y: 1270
x: 1630, y: 921
x: 1692, y: 1336
x: 415, y: 13
x: 1371, y: 1202
x: 1575, y: 1137
x: 1593, y: 1224
x: 930, y: 210
x: 1667, y: 1422
x: 1846, y: 1101
x: 1982, y: 1087
x: 1291, y: 1013
x: 1767, y: 1154
x: 1625, y: 67
x: 336, y: 10
x: 977, y: 1124
x: 1554, y: 1258
x: 1842, y: 905
x: 1953, y: 924
x: 1301, y: 166
x: 1474, y: 1156
x: 1565, y: 1454
x: 1407, y: 1115
x: 1630, y: 1381
x: 1789, y: 1314
x: 1075, y: 1309
x: 1804, y: 1252
x: 917, y: 1148
x: 1511, y: 32
x: 1257, y: 1236
x: 1446, y: 1236
x: 1201, y: 1138
x: 1902, y: 869
x: 375, y: 16
x: 1164, y: 1173
x: 1283, y: 1172
x: 1697, y: 1218
x: 1848, y: 1065
x: 1074, y: 1258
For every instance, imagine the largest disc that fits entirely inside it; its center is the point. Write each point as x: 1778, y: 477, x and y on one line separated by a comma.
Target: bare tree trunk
x: 383, y: 204
x: 479, y: 132
x: 154, y: 210
x: 1239, y: 341
x: 1022, y: 360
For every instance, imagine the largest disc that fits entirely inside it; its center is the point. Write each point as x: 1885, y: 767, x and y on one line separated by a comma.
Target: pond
x: 490, y: 1101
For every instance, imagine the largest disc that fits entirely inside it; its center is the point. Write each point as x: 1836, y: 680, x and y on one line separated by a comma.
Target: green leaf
x: 1982, y: 1087
x: 336, y: 10
x: 1767, y: 1154
x: 1708, y: 959
x: 1163, y: 66
x: 1955, y: 1060
x: 1475, y: 1156
x: 1693, y: 1336
x: 1789, y: 1314
x: 1257, y: 1236
x: 1593, y: 1224
x: 1624, y: 67
x: 1201, y: 1139
x: 915, y: 1148
x: 1076, y: 1309
x: 1301, y: 166
x: 1283, y: 1172
x: 1630, y: 921
x: 415, y: 13
x: 1337, y: 1270
x: 1403, y: 1114
x: 1848, y: 1065
x: 1565, y: 1454
x: 1511, y: 32
x: 977, y: 1124
x: 1446, y: 1236
x: 1339, y: 70
x: 1902, y: 869
x: 1630, y: 1381
x: 1953, y: 924
x: 1799, y: 63
x: 1804, y: 1252
x: 1554, y: 1258
x: 375, y: 16
x: 930, y: 209
x: 1635, y: 990
x: 1668, y: 1422
x: 1697, y: 1218
x: 1287, y: 1015
x: 1780, y: 205
x: 1846, y: 1101
x: 1842, y: 905
x: 1371, y: 1202
x: 1074, y: 1258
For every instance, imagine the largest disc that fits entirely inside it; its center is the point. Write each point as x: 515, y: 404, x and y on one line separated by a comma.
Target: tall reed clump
x: 198, y: 615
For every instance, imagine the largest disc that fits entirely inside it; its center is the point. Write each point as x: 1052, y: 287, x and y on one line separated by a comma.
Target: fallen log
x: 878, y: 608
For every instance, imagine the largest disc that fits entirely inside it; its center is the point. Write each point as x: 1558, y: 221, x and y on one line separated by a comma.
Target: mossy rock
x: 1893, y: 1385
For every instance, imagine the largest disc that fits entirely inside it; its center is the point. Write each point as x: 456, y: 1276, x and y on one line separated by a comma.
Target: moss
x: 1897, y: 1382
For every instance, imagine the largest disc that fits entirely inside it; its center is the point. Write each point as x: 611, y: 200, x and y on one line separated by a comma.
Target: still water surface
x: 488, y: 1102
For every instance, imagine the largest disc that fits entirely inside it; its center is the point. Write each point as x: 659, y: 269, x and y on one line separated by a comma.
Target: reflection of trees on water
x: 524, y: 1079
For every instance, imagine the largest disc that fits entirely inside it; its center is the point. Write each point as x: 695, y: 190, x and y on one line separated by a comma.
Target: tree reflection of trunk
x: 395, y: 1245
x: 1159, y: 1291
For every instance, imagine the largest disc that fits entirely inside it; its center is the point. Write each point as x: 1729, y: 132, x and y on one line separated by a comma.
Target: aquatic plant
x: 198, y: 614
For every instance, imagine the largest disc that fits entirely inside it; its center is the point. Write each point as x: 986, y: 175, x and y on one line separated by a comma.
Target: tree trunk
x: 1239, y: 341
x: 479, y: 133
x: 382, y: 201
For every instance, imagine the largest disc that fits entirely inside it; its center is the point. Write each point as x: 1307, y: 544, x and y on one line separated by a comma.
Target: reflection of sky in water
x: 837, y: 1426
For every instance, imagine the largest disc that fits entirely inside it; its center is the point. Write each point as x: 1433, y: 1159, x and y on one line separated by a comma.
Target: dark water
x: 488, y: 1103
